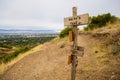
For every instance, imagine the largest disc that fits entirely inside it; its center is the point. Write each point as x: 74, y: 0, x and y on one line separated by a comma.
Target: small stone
x: 113, y: 76
x: 113, y: 73
x: 96, y: 51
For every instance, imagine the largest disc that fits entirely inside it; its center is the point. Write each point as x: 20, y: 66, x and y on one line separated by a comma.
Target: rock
x: 112, y: 77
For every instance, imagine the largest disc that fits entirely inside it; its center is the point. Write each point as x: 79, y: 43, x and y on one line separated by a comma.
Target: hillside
x: 104, y: 49
x: 101, y: 60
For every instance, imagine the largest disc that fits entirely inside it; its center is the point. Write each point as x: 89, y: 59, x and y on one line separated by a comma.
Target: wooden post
x: 75, y: 21
x: 74, y: 61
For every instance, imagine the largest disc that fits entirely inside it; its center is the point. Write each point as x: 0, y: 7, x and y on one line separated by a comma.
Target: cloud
x: 49, y: 14
x: 29, y: 24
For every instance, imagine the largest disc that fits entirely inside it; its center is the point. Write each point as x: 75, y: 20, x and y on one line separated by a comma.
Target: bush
x: 65, y: 32
x: 13, y: 55
x: 113, y: 49
x: 112, y: 43
x: 5, y: 46
x: 85, y: 29
x: 100, y: 21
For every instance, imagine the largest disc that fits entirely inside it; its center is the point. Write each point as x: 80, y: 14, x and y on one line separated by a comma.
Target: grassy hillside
x: 14, y: 48
x: 50, y: 61
x: 105, y: 52
x: 101, y: 60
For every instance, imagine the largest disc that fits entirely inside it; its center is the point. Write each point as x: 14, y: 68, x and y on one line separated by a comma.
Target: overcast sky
x: 49, y: 14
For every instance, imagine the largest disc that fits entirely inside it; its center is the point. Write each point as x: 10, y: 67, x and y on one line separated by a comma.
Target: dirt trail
x: 50, y: 63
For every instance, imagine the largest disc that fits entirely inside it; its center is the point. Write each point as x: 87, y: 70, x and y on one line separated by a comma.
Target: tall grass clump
x: 112, y: 43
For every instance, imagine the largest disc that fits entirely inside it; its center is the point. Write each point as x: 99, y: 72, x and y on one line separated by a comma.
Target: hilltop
x: 100, y: 61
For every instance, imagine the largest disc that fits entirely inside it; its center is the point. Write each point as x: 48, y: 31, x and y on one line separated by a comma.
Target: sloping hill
x: 50, y: 62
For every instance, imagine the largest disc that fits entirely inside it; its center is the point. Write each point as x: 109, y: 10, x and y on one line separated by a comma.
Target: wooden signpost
x: 75, y: 21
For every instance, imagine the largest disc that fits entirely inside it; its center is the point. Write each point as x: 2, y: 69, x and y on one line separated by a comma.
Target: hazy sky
x: 49, y: 14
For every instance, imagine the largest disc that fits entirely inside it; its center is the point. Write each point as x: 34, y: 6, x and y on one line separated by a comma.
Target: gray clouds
x: 49, y: 14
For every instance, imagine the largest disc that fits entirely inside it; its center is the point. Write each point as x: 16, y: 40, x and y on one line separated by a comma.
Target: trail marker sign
x: 76, y: 20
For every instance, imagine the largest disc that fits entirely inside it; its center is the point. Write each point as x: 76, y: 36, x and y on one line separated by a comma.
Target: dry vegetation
x: 105, y: 52
x: 100, y: 62
x: 5, y: 66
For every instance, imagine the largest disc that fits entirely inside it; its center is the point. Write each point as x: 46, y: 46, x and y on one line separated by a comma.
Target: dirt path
x: 50, y: 63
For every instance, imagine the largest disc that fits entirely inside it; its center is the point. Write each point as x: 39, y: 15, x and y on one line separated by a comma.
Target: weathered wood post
x: 74, y: 53
x: 75, y: 21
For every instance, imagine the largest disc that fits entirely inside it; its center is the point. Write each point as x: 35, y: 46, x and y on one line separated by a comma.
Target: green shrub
x: 112, y: 43
x: 13, y: 55
x: 100, y: 21
x: 65, y: 32
x: 85, y: 28
x: 5, y: 46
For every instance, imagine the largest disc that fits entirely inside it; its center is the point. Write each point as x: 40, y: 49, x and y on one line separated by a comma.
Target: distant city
x: 28, y: 31
x: 32, y: 33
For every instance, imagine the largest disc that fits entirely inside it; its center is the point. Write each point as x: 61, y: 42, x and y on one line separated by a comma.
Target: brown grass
x: 51, y: 62
x: 4, y: 67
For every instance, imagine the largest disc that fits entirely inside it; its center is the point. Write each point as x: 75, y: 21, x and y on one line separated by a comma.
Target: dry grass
x: 58, y: 41
x: 4, y: 67
x: 50, y: 63
x: 96, y: 64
